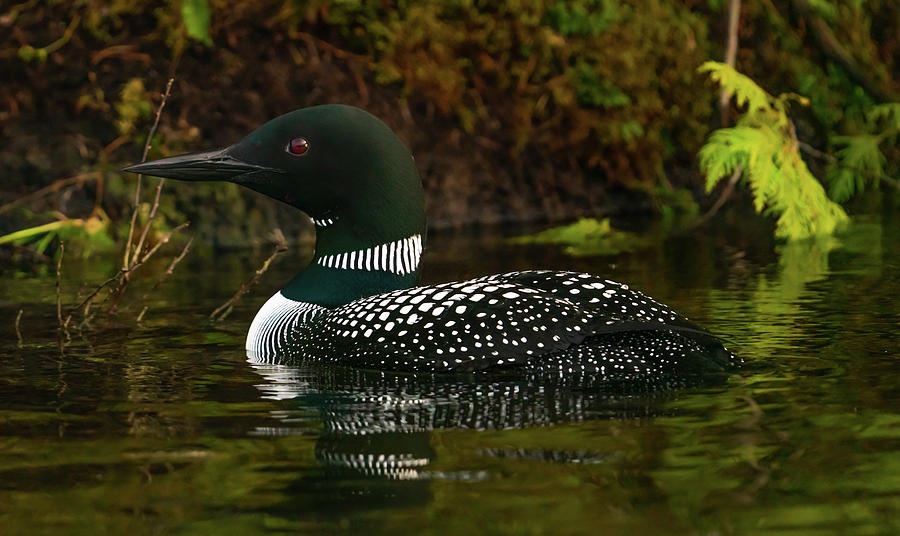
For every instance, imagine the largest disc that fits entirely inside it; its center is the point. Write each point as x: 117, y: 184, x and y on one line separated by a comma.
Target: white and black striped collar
x: 399, y: 257
x: 324, y: 222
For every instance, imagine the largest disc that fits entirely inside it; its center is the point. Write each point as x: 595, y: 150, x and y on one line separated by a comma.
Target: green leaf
x: 195, y: 14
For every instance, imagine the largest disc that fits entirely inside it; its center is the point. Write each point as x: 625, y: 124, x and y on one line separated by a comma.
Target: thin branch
x: 809, y: 149
x: 187, y: 247
x: 19, y: 333
x: 162, y: 241
x: 328, y: 47
x: 726, y: 193
x: 225, y: 309
x: 832, y: 47
x: 87, y: 300
x: 821, y: 155
x: 137, y: 189
x: 52, y: 187
x: 167, y: 273
x: 59, y: 320
x: 121, y: 274
x: 153, y: 209
x: 134, y: 213
x: 130, y: 261
x: 889, y: 181
x: 66, y: 36
x: 731, y: 48
x: 734, y: 17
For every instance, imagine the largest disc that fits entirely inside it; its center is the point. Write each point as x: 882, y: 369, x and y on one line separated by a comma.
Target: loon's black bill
x: 209, y: 166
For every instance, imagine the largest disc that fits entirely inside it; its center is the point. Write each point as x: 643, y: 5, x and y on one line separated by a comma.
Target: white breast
x: 274, y: 322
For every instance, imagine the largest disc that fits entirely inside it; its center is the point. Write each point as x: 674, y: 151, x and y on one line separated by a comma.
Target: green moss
x: 586, y: 237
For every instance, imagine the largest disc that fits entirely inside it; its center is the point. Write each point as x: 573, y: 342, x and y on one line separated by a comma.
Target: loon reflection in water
x: 376, y: 424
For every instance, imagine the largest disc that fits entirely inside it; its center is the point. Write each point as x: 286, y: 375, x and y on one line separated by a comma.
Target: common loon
x: 358, y: 302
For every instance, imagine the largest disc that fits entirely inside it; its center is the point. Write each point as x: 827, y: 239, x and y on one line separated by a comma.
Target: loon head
x: 332, y: 161
x: 349, y: 172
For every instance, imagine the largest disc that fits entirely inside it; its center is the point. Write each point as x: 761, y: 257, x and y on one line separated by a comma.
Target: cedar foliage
x: 763, y: 144
x: 860, y: 161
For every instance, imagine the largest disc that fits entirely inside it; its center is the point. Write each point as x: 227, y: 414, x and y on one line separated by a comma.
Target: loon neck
x: 356, y: 261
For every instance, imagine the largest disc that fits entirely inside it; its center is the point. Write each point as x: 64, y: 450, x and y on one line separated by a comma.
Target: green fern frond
x: 805, y: 210
x: 889, y: 112
x: 843, y: 182
x: 764, y: 145
x: 859, y: 160
x: 745, y: 90
x: 861, y: 152
x: 729, y: 148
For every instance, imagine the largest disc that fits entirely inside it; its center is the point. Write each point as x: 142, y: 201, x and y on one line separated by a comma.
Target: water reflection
x: 377, y: 424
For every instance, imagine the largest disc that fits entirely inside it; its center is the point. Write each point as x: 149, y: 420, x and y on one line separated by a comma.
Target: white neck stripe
x: 399, y: 257
x: 324, y: 222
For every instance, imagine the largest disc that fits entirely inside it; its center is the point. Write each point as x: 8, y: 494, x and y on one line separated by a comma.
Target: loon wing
x: 495, y: 321
x: 452, y: 326
x: 629, y: 309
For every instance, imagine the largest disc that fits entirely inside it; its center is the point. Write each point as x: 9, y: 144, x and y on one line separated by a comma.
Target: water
x: 165, y: 428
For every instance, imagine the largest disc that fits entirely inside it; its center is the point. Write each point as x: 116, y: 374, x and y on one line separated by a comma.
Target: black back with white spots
x: 550, y: 323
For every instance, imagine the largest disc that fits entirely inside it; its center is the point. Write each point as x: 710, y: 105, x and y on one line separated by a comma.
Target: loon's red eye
x: 297, y: 146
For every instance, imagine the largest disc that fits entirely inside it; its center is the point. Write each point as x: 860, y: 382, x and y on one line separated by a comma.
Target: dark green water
x: 165, y: 428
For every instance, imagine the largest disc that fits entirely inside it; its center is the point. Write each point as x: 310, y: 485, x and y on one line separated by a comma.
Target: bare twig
x: 162, y: 241
x: 726, y: 193
x: 809, y: 149
x: 150, y: 218
x: 167, y: 273
x: 87, y: 300
x: 187, y: 247
x: 130, y: 259
x: 821, y: 155
x: 19, y: 333
x: 66, y: 36
x: 59, y: 320
x: 831, y: 46
x: 52, y: 187
x: 225, y: 309
x: 137, y: 189
x: 734, y: 17
x: 121, y: 274
x: 328, y: 47
x: 894, y: 183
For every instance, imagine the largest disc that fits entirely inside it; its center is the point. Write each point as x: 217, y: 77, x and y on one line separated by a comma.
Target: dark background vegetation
x: 515, y: 110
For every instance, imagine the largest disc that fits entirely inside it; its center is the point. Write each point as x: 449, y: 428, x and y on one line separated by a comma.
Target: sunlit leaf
x: 195, y: 14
